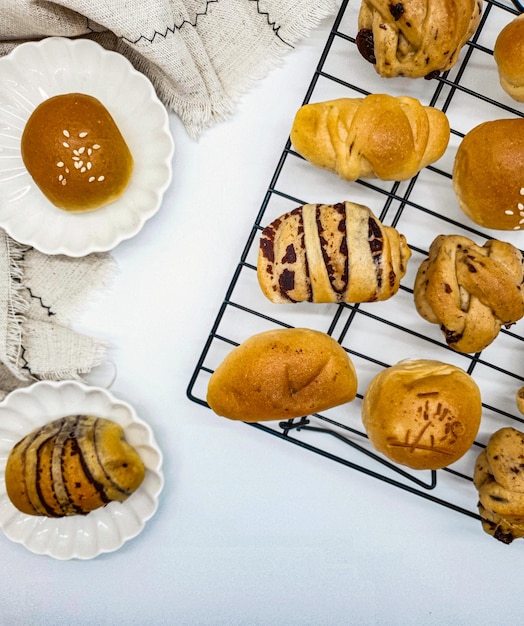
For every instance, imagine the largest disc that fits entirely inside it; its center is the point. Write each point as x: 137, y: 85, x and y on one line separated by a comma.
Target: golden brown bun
x: 499, y: 478
x: 421, y: 413
x: 379, y: 136
x: 75, y: 153
x: 509, y: 56
x: 415, y: 38
x: 330, y: 253
x: 281, y: 374
x: 470, y: 291
x: 72, y: 466
x: 487, y: 174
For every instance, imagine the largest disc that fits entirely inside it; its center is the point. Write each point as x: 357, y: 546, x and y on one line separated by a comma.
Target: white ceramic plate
x: 106, y: 529
x: 34, y: 72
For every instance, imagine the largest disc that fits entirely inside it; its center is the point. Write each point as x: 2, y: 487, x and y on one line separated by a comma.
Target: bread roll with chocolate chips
x: 330, y: 253
x: 75, y: 153
x: 379, y: 136
x: 424, y: 414
x: 509, y: 56
x: 487, y: 174
x: 470, y: 291
x: 415, y: 38
x: 72, y: 466
x: 281, y: 374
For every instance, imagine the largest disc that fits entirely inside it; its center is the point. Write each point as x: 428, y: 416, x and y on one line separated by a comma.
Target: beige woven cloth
x: 40, y: 296
x: 201, y: 55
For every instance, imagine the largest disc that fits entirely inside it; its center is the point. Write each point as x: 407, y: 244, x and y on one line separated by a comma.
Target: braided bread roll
x: 471, y: 291
x: 379, y: 136
x: 415, y: 38
x: 72, y: 466
x: 330, y: 253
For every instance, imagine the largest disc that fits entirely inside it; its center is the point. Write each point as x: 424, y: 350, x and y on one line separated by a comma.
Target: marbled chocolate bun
x: 72, y: 466
x: 331, y: 253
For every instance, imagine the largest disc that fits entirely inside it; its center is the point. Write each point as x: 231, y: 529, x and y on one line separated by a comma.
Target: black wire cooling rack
x: 377, y: 335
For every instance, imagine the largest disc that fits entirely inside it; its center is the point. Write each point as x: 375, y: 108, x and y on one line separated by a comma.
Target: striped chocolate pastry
x: 330, y: 253
x: 72, y: 466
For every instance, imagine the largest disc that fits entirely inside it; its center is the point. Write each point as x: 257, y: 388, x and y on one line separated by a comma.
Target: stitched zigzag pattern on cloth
x: 201, y: 55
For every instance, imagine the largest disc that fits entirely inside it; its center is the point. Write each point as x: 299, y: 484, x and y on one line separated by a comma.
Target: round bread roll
x: 487, y: 174
x: 75, y: 152
x: 421, y: 413
x: 281, y: 374
x: 509, y: 56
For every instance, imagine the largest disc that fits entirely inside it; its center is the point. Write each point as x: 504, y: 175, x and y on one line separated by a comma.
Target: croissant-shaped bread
x: 379, y: 136
x: 72, y: 466
x: 471, y: 291
x: 330, y: 253
x: 415, y: 38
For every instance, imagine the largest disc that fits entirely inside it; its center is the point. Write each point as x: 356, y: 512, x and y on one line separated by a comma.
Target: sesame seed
x: 521, y: 221
x: 101, y: 178
x: 66, y: 133
x: 91, y: 179
x: 60, y: 164
x: 82, y: 170
x: 76, y: 158
x: 77, y: 165
x: 76, y: 153
x: 508, y: 212
x: 82, y: 135
x: 89, y: 165
x: 89, y: 151
x: 60, y: 177
x: 96, y: 146
x: 520, y: 206
x: 522, y: 191
x: 81, y: 150
x: 64, y: 181
x: 65, y: 144
x: 516, y: 228
x: 67, y: 170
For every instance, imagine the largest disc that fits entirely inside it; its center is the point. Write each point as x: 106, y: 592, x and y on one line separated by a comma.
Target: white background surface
x: 250, y: 530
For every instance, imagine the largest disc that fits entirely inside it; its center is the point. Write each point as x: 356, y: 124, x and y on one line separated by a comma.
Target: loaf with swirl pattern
x: 471, y: 291
x: 379, y: 136
x: 331, y: 253
x: 415, y: 38
x: 71, y: 466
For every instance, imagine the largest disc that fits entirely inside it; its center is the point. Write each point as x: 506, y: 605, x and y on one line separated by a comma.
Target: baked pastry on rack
x: 415, y: 38
x: 379, y: 136
x: 330, y: 253
x: 422, y: 413
x: 499, y: 478
x: 487, y: 174
x: 470, y: 291
x: 509, y: 56
x: 282, y: 374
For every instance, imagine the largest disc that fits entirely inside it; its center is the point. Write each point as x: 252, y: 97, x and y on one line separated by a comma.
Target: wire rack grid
x: 377, y: 335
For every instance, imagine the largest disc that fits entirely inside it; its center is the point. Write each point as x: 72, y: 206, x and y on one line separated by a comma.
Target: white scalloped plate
x: 34, y: 72
x: 106, y: 529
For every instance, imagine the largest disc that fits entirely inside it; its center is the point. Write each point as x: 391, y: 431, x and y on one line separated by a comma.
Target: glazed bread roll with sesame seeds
x: 424, y: 414
x: 487, y: 174
x: 75, y: 153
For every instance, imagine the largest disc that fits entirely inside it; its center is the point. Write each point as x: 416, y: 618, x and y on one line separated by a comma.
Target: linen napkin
x: 39, y: 297
x: 201, y: 55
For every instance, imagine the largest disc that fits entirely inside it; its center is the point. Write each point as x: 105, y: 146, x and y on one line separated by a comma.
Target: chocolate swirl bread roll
x: 379, y: 136
x: 72, y: 466
x: 470, y: 291
x: 415, y: 38
x: 330, y: 253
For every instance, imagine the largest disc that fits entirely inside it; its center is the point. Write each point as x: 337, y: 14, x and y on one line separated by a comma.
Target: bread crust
x: 75, y: 153
x: 330, y: 253
x: 282, y: 374
x: 487, y: 174
x: 72, y: 466
x: 379, y: 136
x: 470, y: 291
x: 422, y: 413
x: 508, y: 53
x: 417, y: 38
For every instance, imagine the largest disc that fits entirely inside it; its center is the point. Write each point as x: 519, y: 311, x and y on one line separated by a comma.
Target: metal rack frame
x: 352, y: 448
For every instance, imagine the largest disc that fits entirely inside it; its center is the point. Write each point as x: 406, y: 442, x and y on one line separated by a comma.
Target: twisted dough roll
x: 330, y: 253
x: 469, y: 290
x: 415, y: 38
x: 379, y: 136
